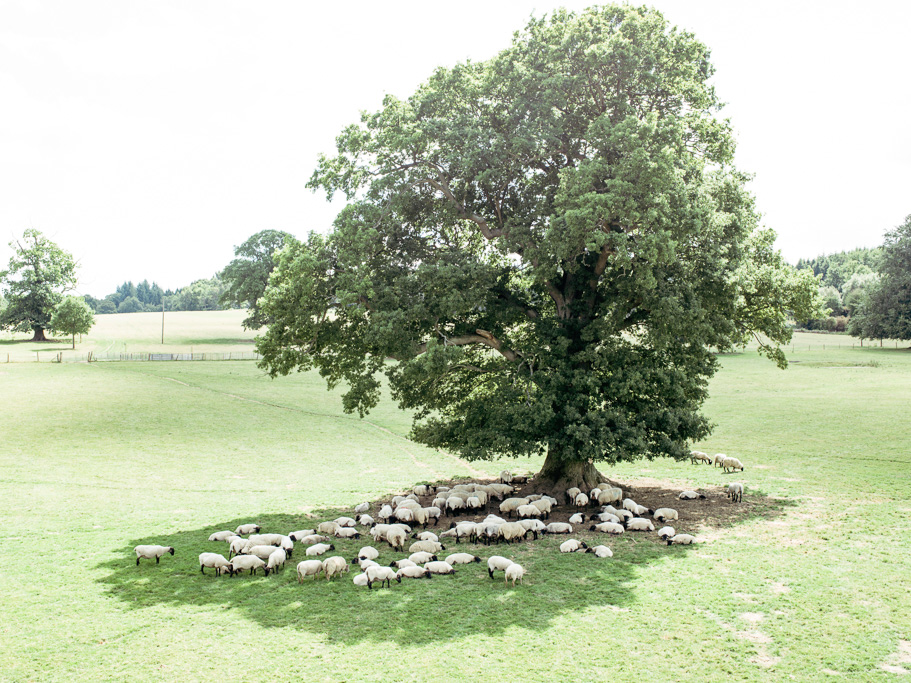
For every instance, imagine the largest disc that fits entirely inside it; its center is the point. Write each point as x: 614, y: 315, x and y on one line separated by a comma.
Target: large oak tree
x: 542, y: 252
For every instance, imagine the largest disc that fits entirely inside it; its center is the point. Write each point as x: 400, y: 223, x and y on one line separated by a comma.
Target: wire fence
x: 92, y: 357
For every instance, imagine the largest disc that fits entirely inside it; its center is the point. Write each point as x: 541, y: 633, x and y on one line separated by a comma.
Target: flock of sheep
x: 397, y: 522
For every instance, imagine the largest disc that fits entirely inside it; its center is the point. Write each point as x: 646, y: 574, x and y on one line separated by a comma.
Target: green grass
x: 811, y: 576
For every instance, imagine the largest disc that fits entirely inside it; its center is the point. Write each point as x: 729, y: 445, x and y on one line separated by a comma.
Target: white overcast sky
x: 150, y: 138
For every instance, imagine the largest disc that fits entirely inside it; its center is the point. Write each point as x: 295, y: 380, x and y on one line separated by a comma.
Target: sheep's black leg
x: 202, y: 568
x: 157, y: 560
x: 137, y: 561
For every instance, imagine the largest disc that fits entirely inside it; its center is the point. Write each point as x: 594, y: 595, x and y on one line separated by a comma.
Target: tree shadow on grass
x: 415, y: 612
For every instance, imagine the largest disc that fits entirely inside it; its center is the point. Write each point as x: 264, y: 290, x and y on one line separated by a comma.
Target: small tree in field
x: 38, y: 274
x: 542, y: 252
x: 247, y: 276
x: 73, y: 316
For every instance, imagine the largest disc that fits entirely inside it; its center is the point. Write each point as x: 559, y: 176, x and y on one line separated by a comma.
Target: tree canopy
x: 73, y: 316
x: 884, y: 308
x: 246, y: 277
x: 541, y: 252
x: 38, y: 274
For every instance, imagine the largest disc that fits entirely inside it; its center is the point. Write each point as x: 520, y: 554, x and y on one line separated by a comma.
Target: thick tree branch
x: 443, y: 188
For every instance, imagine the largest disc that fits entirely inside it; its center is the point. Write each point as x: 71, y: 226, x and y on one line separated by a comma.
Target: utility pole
x: 162, y: 320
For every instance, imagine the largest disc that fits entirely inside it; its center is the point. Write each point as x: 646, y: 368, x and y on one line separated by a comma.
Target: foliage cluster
x: 550, y: 244
x: 200, y: 295
x: 246, y: 277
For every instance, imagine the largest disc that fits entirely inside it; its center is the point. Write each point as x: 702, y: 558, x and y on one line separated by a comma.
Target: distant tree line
x: 867, y: 291
x: 201, y: 295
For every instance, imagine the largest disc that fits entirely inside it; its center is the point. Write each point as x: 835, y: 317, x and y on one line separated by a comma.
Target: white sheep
x: 404, y: 514
x: 454, y: 504
x: 251, y: 562
x: 319, y: 549
x: 399, y: 564
x: 665, y: 515
x: 630, y: 504
x: 572, y: 546
x: 571, y: 493
x: 427, y: 536
x: 328, y: 528
x: 361, y: 508
x: 396, y: 537
x: 244, y: 529
x: 345, y: 521
x: 462, y: 558
x: 605, y: 517
x: 359, y: 580
x: 681, y: 539
x: 535, y: 526
x: 421, y: 490
x: 558, y: 528
x: 607, y: 528
x: 261, y: 551
x: 545, y: 505
x: 334, y: 565
x: 383, y: 575
x: 422, y: 557
x: 690, y: 495
x: 364, y: 563
x: 365, y: 520
x: 666, y: 532
x: 506, y: 477
x: 277, y: 559
x: 313, y: 539
x: 347, y: 532
x: 698, y: 456
x: 577, y: 518
x: 735, y: 492
x: 213, y: 560
x: 511, y: 531
x: 439, y: 567
x: 427, y: 546
x: 601, y: 551
x: 731, y: 464
x: 414, y: 572
x: 368, y: 552
x: 581, y: 500
x: 297, y: 536
x: 385, y: 513
x: 639, y: 524
x: 718, y: 459
x: 510, y: 505
x: 610, y: 494
x: 308, y: 568
x: 265, y: 539
x: 515, y: 572
x: 497, y: 563
x: 237, y: 546
x: 221, y: 535
x: 149, y: 551
x: 624, y: 515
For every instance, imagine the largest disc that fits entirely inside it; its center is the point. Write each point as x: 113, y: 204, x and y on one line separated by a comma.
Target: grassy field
x: 807, y: 580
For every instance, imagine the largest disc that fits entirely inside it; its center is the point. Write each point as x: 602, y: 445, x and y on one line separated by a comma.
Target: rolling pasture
x: 807, y: 580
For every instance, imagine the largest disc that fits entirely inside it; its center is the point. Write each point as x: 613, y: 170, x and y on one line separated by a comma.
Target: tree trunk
x: 558, y: 474
x: 74, y: 341
x: 39, y: 334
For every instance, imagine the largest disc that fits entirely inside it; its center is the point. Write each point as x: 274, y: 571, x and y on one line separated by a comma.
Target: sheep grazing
x: 609, y: 495
x: 328, y: 528
x: 581, y: 500
x: 361, y: 508
x: 251, y: 562
x: 245, y: 529
x: 698, y: 456
x: 297, y: 536
x: 718, y: 459
x: 399, y: 564
x: 506, y: 477
x: 665, y: 515
x: 347, y: 532
x: 334, y: 565
x: 404, y: 514
x: 690, y: 495
x: 535, y: 526
x: 731, y: 464
x: 414, y: 573
x: 640, y: 524
x: 368, y: 552
x: 558, y: 528
x: 571, y: 493
x: 396, y: 538
x: 497, y: 563
x: 149, y: 551
x: 462, y: 558
x: 265, y: 539
x: 427, y: 536
x: 345, y: 521
x: 263, y: 552
x: 735, y: 492
x: 319, y: 549
x: 511, y: 531
x: 572, y: 546
x: 605, y: 517
x: 601, y: 551
x: 277, y: 559
x: 364, y: 563
x: 544, y: 504
x: 454, y: 504
x: 624, y: 515
x: 681, y: 539
x: 514, y: 572
x: 385, y: 513
x: 426, y: 546
x: 529, y: 511
x: 607, y: 528
x: 237, y: 546
x: 666, y: 532
x: 213, y: 560
x: 421, y: 490
x: 510, y: 505
x: 439, y: 567
x: 221, y: 535
x: 313, y: 539
x: 365, y: 520
x: 308, y: 568
x: 383, y: 575
x: 577, y: 518
x: 422, y: 557
x: 630, y: 504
